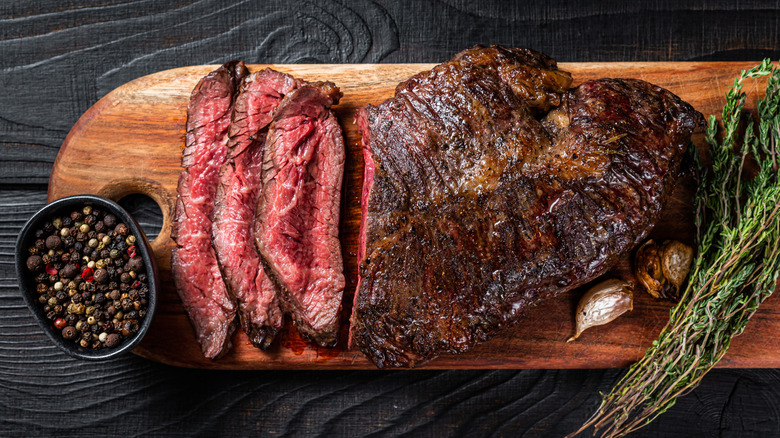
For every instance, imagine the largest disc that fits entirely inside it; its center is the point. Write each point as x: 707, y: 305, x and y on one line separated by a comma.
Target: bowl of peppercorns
x: 88, y: 275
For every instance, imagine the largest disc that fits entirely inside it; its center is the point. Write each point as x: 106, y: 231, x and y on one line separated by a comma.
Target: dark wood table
x: 58, y: 57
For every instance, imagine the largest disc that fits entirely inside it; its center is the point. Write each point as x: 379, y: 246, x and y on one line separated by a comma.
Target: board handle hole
x: 145, y: 211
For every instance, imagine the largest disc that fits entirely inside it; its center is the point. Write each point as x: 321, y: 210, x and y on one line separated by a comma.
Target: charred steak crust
x: 236, y: 201
x: 296, y: 227
x: 193, y: 263
x: 477, y: 205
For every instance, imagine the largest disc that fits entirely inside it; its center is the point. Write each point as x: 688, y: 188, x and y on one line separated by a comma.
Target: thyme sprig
x: 736, y: 269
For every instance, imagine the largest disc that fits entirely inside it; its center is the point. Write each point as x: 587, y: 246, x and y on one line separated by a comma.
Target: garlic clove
x: 603, y: 303
x: 676, y: 261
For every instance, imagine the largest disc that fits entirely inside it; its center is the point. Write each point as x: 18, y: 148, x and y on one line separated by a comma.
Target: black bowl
x: 27, y: 280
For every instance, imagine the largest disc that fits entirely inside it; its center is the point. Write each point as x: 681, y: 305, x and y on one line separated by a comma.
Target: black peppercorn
x: 69, y: 271
x: 127, y: 304
x: 112, y: 340
x: 48, y: 228
x: 136, y: 264
x: 78, y: 246
x: 100, y: 226
x: 67, y: 222
x: 122, y: 230
x: 76, y: 216
x: 69, y: 333
x: 110, y: 220
x: 34, y: 263
x: 51, y: 315
x: 100, y: 276
x: 38, y: 234
x: 125, y: 278
x: 53, y: 242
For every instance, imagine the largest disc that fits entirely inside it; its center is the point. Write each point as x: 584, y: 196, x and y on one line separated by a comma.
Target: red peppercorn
x: 50, y: 269
x: 131, y: 251
x: 60, y: 323
x: 88, y: 274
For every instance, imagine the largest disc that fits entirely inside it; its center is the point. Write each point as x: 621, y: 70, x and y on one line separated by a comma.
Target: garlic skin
x: 603, y: 303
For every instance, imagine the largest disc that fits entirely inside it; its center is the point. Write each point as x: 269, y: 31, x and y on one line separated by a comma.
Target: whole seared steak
x: 193, y: 263
x: 236, y: 201
x: 297, y: 222
x: 490, y: 186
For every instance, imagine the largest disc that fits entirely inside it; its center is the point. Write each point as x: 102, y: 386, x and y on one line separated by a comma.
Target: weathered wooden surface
x: 58, y: 57
x: 142, y: 123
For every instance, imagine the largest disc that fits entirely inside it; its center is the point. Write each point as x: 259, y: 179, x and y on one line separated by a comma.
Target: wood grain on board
x: 131, y: 141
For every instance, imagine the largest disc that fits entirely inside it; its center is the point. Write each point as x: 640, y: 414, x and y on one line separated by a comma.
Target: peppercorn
x: 110, y: 220
x: 122, y: 229
x: 87, y: 209
x: 59, y: 323
x: 136, y: 264
x: 112, y: 340
x: 51, y: 315
x: 69, y: 333
x: 84, y: 343
x: 65, y: 232
x: 89, y: 219
x: 81, y: 237
x: 69, y: 270
x: 57, y: 222
x: 100, y: 276
x: 34, y: 263
x: 76, y: 216
x: 53, y: 242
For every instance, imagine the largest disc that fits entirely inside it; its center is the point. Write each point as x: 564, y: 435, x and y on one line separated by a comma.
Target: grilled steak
x: 296, y: 226
x: 237, y: 196
x: 193, y: 262
x: 477, y: 204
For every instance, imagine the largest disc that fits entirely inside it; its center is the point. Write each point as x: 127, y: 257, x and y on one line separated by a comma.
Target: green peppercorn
x: 87, y: 210
x: 57, y: 222
x: 92, y: 243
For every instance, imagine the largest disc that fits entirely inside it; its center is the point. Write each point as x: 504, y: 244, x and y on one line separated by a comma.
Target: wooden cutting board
x: 131, y: 141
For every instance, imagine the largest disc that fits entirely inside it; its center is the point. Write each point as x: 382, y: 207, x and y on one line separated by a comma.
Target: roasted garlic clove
x: 662, y: 269
x: 676, y: 261
x: 602, y: 304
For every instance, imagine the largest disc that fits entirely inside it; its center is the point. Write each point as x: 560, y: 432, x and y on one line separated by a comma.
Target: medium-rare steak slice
x: 297, y: 220
x: 193, y: 262
x: 477, y: 205
x: 237, y: 196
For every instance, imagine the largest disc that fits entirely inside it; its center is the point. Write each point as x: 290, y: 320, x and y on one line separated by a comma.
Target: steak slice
x: 477, y: 205
x: 236, y: 201
x: 297, y: 222
x: 193, y: 263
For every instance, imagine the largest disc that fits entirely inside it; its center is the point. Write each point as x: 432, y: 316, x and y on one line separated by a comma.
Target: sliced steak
x: 193, y: 263
x: 477, y: 205
x: 237, y: 196
x: 297, y: 221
